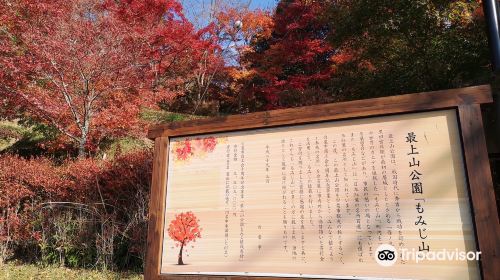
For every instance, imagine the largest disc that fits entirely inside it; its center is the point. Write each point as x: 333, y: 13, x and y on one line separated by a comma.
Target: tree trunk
x: 81, y: 149
x: 85, y: 132
x: 179, y: 261
x: 81, y: 145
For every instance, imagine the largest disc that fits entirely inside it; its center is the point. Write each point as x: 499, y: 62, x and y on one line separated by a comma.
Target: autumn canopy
x: 82, y: 80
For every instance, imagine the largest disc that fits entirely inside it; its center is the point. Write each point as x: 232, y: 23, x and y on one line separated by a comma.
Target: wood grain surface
x: 481, y: 188
x: 465, y: 100
x: 334, y: 111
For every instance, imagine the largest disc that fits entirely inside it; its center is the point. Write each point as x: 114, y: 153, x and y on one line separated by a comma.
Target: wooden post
x: 156, y: 209
x: 481, y: 189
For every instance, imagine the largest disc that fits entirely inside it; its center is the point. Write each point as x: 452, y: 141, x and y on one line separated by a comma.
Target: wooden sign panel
x: 382, y: 196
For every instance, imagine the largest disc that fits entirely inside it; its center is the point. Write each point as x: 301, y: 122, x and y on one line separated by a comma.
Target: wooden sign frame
x: 466, y: 101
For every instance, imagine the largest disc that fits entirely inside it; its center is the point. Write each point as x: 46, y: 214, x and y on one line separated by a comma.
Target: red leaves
x: 184, y: 150
x: 23, y: 183
x: 88, y: 67
x: 27, y: 183
x: 294, y: 62
x: 209, y: 144
x: 184, y: 228
x: 79, y: 68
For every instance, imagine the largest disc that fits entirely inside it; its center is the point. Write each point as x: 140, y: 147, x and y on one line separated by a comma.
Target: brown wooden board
x: 464, y: 100
x: 334, y: 111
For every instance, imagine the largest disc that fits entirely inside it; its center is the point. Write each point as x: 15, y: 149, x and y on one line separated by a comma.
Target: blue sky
x: 263, y: 4
x: 197, y: 10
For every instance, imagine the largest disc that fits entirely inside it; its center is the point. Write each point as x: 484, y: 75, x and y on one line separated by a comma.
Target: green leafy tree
x: 406, y: 46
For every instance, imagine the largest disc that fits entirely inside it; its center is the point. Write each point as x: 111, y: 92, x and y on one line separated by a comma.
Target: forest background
x: 82, y: 80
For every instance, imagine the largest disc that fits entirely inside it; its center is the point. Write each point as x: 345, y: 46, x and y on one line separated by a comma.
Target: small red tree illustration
x: 184, y: 229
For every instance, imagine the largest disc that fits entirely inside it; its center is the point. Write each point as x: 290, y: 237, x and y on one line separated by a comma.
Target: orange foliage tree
x: 238, y: 30
x: 184, y: 229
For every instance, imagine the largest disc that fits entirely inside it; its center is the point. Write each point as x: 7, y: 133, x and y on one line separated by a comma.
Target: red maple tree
x: 87, y: 67
x: 291, y: 65
x: 184, y: 229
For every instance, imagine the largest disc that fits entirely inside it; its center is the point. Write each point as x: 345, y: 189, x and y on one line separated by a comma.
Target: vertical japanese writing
x: 396, y: 190
x: 376, y: 187
x: 292, y: 197
x: 345, y: 172
x: 309, y: 181
x: 235, y: 181
x: 417, y: 188
x: 329, y: 220
x: 357, y: 212
x: 226, y: 200
x: 338, y: 208
x: 301, y: 202
x: 284, y: 194
x: 242, y: 202
x: 385, y: 184
x: 366, y: 193
x: 320, y: 199
x: 259, y: 237
x: 267, y: 166
x: 331, y: 184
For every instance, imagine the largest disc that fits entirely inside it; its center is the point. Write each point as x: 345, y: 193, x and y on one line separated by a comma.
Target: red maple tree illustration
x: 209, y: 144
x: 188, y: 148
x: 184, y: 152
x: 184, y: 229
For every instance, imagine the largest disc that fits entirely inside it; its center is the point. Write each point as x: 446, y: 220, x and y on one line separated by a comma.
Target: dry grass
x: 28, y: 272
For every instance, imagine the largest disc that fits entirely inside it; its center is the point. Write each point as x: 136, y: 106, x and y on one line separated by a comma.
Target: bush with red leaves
x: 116, y: 190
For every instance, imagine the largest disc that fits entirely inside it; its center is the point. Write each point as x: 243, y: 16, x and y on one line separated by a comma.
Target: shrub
x: 24, y: 185
x: 80, y: 213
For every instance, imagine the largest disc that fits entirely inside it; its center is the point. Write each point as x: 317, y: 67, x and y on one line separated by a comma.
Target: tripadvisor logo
x: 386, y: 255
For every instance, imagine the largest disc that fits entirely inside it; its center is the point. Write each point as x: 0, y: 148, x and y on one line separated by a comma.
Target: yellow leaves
x: 237, y: 74
x: 254, y: 23
x: 462, y: 12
